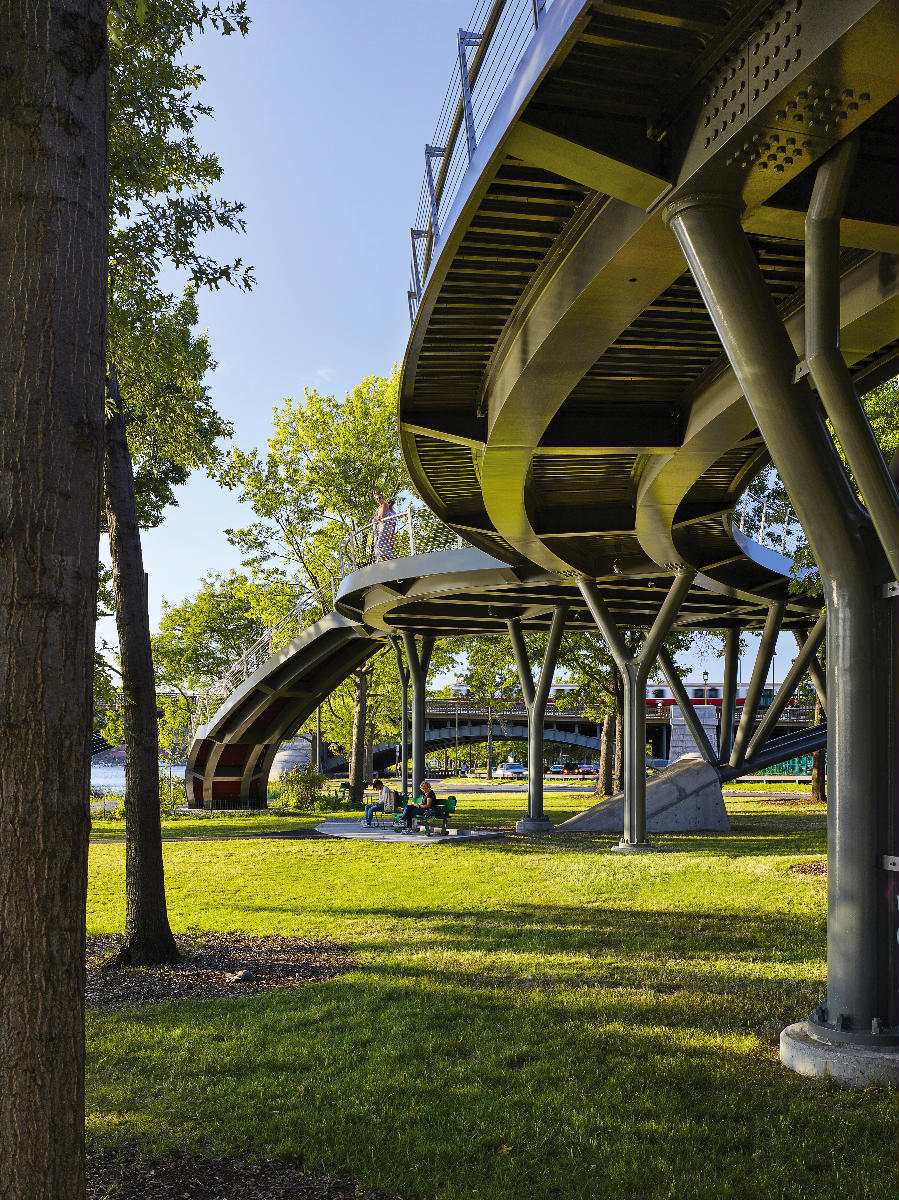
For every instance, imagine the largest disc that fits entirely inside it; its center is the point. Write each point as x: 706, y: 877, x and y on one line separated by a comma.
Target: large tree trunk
x: 54, y: 191
x: 148, y: 938
x: 357, y: 754
x: 819, y: 793
x: 606, y: 756
x: 619, y: 735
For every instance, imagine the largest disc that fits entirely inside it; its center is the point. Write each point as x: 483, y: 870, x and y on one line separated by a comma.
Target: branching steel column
x: 791, y: 681
x: 535, y: 701
x: 635, y: 668
x: 766, y: 649
x: 861, y: 660
x: 418, y: 671
x: 729, y: 698
x: 688, y: 712
x: 403, y: 672
x: 822, y: 348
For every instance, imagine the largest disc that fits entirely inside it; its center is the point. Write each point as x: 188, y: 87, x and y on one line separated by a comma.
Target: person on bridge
x: 429, y: 802
x: 384, y: 523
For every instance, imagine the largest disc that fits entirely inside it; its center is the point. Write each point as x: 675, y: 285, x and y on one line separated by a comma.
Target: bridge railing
x: 487, y: 52
x: 310, y: 607
x: 415, y: 531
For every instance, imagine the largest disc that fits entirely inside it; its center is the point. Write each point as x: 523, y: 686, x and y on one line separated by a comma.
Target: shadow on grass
x: 644, y: 1076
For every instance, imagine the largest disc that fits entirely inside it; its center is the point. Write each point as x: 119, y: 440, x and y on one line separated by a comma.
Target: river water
x: 111, y: 777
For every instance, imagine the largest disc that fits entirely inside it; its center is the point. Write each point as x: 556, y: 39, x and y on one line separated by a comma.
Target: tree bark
x: 357, y: 754
x: 819, y: 791
x: 619, y: 735
x: 148, y: 938
x: 606, y: 756
x: 54, y: 191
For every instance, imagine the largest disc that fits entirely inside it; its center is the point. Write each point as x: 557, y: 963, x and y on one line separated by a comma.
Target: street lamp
x: 705, y: 687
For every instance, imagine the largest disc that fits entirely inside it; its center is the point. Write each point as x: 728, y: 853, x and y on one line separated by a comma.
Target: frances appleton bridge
x: 654, y: 251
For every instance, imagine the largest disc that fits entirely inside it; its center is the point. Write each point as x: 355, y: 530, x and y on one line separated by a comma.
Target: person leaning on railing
x: 428, y: 802
x: 384, y: 524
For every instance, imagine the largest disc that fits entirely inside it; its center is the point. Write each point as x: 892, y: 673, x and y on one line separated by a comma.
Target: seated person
x: 429, y: 802
x: 385, y: 794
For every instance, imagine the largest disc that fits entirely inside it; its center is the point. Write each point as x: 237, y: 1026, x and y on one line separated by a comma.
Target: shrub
x: 303, y: 789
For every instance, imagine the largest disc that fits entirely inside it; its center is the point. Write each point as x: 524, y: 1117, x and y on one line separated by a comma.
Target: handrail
x: 499, y: 38
x: 413, y: 531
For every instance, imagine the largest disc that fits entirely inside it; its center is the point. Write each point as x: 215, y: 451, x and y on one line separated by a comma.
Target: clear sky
x: 321, y: 118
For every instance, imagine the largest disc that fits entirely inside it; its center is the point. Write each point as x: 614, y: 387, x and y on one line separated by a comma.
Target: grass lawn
x: 528, y: 1018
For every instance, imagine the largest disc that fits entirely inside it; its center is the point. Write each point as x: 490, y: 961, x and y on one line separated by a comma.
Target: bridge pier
x: 635, y: 668
x: 418, y: 662
x: 861, y: 1003
x: 403, y: 672
x: 535, y: 701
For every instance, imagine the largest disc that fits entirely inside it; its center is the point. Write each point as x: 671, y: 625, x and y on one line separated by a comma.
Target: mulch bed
x: 122, y: 1175
x: 810, y: 868
x: 213, y: 965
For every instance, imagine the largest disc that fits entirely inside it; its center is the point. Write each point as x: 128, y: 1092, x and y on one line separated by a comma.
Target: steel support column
x: 791, y: 681
x: 823, y: 359
x: 635, y: 668
x: 418, y: 663
x: 861, y: 1003
x: 535, y: 701
x: 767, y: 645
x: 729, y: 697
x: 403, y: 672
x: 814, y: 670
x: 688, y: 712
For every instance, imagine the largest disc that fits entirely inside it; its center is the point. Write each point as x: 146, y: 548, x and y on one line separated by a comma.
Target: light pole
x: 705, y: 687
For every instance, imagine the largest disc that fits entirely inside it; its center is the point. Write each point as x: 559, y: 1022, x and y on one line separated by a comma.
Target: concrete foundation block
x: 852, y: 1066
x: 526, y: 825
x: 684, y: 797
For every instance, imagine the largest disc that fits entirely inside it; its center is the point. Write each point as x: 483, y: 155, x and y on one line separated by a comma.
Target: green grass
x: 528, y: 1018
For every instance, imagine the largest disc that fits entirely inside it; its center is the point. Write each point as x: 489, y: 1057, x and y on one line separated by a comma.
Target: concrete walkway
x: 351, y: 827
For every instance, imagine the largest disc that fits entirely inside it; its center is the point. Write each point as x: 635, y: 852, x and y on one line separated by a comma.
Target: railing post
x: 416, y: 272
x: 411, y: 533
x: 464, y: 40
x: 432, y: 152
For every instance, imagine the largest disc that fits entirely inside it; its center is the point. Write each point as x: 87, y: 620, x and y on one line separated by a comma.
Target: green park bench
x: 443, y: 813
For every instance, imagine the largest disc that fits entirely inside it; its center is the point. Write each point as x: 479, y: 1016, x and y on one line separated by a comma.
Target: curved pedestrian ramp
x: 350, y: 827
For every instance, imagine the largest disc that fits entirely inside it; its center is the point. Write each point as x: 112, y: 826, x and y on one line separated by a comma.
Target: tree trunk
x: 819, y: 792
x: 370, y: 756
x: 489, y: 743
x: 54, y: 223
x: 357, y: 753
x: 148, y: 938
x: 619, y: 733
x: 606, y: 756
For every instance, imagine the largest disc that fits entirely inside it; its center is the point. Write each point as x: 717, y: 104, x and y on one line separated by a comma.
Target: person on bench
x: 429, y: 804
x: 379, y: 804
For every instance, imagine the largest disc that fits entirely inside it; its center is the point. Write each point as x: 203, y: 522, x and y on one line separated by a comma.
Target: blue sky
x: 321, y: 117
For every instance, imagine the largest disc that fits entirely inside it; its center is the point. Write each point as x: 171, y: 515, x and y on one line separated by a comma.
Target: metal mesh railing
x: 488, y: 51
x: 415, y: 531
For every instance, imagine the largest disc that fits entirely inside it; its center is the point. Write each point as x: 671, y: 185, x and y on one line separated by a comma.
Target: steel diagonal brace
x: 757, y: 681
x: 688, y: 712
x: 800, y: 665
x: 814, y: 670
x: 635, y: 668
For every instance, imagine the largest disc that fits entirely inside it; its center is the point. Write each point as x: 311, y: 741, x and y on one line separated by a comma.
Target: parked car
x: 588, y: 769
x: 510, y: 771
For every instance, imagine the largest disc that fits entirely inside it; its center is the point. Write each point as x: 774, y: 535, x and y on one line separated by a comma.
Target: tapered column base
x: 635, y: 848
x: 529, y: 825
